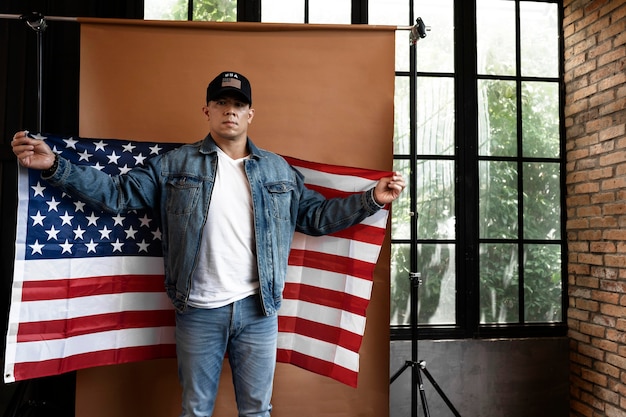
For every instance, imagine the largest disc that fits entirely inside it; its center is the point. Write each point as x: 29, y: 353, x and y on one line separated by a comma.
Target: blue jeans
x: 203, y: 336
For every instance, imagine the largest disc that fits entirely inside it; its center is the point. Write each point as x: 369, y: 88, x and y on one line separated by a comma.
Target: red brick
x: 603, y: 222
x: 618, y: 235
x: 589, y: 211
x: 599, y: 198
x: 602, y: 247
x: 615, y: 260
x: 592, y: 330
x: 612, y: 132
x: 612, y: 310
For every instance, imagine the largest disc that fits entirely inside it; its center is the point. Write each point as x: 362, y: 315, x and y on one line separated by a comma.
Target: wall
x: 293, y: 69
x: 595, y: 117
x: 486, y: 378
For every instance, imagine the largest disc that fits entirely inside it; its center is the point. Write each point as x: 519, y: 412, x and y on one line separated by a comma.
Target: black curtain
x: 52, y: 396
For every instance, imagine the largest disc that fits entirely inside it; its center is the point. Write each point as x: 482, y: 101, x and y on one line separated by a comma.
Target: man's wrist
x: 374, y: 205
x: 47, y: 173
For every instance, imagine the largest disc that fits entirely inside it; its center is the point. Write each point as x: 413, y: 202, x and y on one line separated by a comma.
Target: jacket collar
x: 210, y: 147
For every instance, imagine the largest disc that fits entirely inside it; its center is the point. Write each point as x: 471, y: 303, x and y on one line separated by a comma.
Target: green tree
x: 204, y: 10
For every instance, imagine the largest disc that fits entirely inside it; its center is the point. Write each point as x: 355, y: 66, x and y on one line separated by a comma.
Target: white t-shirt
x: 227, y: 268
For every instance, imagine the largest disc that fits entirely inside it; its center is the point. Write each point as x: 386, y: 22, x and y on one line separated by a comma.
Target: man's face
x: 228, y: 117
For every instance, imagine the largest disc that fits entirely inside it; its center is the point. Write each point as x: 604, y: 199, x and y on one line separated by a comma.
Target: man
x: 228, y: 212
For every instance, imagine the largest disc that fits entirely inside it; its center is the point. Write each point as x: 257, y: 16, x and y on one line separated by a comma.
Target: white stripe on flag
x: 378, y: 219
x: 315, y: 348
x: 325, y: 315
x: 36, y: 311
x: 361, y: 251
x: 347, y: 183
x: 330, y: 280
x: 93, y: 342
x: 89, y: 267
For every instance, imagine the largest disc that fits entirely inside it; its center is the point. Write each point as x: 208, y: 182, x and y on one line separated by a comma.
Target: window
x: 483, y: 221
x: 485, y: 162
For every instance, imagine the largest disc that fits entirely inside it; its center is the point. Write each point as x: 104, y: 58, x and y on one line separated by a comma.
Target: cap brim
x: 230, y: 91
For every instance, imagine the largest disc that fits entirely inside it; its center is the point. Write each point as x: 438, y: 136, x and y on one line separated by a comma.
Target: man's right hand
x: 32, y: 153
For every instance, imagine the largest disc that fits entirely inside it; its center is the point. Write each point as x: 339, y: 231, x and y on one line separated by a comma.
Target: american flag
x: 88, y: 286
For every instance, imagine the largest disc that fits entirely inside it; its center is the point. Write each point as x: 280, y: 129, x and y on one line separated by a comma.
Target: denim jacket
x: 178, y: 185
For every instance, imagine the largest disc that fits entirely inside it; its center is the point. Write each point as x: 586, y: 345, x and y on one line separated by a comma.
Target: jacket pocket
x: 182, y: 194
x: 280, y: 195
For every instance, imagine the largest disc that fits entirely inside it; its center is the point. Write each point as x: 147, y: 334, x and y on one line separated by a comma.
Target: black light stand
x: 418, y: 367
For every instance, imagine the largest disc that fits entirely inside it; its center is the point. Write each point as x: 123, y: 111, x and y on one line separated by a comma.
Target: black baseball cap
x: 229, y: 81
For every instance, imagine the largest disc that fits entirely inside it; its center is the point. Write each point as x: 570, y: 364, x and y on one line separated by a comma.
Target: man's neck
x: 234, y: 148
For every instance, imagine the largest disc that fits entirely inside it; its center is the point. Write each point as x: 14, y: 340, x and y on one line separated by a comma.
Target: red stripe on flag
x: 335, y: 263
x: 329, y: 192
x: 28, y: 370
x: 325, y: 297
x: 362, y: 233
x: 82, y: 287
x: 314, y: 330
x: 338, y: 169
x: 319, y: 366
x: 60, y: 329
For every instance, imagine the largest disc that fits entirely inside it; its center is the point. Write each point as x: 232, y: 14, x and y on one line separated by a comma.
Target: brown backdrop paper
x: 321, y: 93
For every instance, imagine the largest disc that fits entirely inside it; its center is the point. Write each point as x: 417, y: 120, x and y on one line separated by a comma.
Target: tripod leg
x: 397, y: 374
x: 422, y: 367
x: 420, y: 387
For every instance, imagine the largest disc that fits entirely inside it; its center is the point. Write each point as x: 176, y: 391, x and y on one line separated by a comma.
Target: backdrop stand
x: 19, y: 405
x: 418, y: 367
x: 37, y: 22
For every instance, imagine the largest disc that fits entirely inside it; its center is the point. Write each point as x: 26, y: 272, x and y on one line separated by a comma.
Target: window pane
x: 497, y: 118
x: 539, y: 26
x: 215, y: 10
x: 329, y: 11
x: 400, y: 284
x: 388, y: 12
x: 402, y: 51
x: 540, y: 119
x: 498, y: 200
x: 435, y: 199
x: 437, y: 294
x: 435, y: 116
x: 435, y: 53
x: 401, y: 208
x: 542, y: 283
x: 499, y: 283
x: 165, y: 9
x: 495, y: 37
x: 542, y: 201
x: 402, y: 124
x: 282, y: 11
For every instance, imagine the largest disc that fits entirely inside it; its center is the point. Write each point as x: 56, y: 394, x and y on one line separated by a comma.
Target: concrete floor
x: 486, y: 378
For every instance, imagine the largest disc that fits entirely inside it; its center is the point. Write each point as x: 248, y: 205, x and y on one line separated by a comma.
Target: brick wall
x: 595, y: 120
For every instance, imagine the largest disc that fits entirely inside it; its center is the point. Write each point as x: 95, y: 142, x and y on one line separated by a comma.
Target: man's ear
x: 205, y: 110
